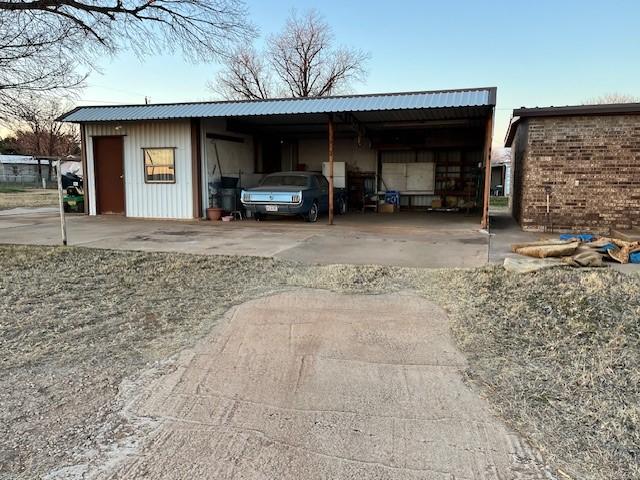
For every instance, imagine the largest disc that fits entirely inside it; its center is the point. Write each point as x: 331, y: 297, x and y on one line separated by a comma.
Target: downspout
x: 548, y: 226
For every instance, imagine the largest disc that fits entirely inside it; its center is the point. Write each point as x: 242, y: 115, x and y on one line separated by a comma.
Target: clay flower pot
x: 214, y: 213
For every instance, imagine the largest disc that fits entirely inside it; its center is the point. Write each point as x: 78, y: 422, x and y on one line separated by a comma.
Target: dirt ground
x: 555, y: 352
x: 11, y: 197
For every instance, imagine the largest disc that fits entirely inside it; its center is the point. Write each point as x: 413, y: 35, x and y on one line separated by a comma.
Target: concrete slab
x: 443, y: 250
x: 314, y: 385
x: 414, y: 239
x: 505, y: 231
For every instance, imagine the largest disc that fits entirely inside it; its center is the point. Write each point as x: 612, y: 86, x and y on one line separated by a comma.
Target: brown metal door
x: 109, y: 172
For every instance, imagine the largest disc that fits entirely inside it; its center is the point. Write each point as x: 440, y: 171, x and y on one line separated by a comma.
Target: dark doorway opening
x: 271, y: 156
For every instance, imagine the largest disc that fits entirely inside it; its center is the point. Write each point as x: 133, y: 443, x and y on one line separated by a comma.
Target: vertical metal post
x: 63, y: 224
x: 487, y: 172
x: 331, y: 133
x: 85, y: 170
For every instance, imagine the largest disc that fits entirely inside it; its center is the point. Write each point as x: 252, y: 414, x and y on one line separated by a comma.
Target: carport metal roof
x: 469, y: 99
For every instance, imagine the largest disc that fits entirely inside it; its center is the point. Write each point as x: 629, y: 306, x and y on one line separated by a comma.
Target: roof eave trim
x: 511, y: 131
x: 577, y: 110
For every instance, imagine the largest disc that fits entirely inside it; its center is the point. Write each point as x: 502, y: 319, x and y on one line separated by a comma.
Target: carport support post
x: 331, y: 170
x: 487, y: 172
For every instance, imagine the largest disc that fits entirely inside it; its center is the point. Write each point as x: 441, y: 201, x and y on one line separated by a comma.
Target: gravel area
x: 10, y: 198
x: 556, y: 352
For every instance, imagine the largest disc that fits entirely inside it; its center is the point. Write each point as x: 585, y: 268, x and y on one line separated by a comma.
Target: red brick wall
x: 591, y: 163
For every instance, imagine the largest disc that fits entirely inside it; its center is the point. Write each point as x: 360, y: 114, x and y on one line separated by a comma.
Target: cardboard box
x: 387, y: 208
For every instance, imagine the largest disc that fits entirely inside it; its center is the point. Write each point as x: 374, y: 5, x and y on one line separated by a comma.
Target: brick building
x: 576, y: 168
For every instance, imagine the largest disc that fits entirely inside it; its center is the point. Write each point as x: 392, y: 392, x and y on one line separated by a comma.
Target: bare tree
x: 612, y: 98
x: 246, y: 76
x: 42, y: 42
x: 35, y: 57
x: 300, y: 61
x: 36, y: 130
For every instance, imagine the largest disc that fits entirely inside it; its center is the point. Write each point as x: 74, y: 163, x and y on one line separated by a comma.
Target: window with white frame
x: 159, y: 165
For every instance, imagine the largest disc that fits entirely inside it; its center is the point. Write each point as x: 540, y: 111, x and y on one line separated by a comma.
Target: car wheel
x: 342, y: 206
x: 312, y: 216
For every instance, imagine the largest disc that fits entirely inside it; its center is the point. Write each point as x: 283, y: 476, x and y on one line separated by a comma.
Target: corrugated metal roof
x: 348, y: 103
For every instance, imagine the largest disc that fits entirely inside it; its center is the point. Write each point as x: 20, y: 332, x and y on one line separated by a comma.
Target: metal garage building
x: 159, y: 161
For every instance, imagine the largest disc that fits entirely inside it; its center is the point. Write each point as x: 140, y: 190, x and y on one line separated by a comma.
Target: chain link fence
x: 27, y: 181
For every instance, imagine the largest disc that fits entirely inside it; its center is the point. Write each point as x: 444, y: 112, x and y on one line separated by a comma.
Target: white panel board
x: 339, y: 173
x: 394, y: 176
x: 409, y: 177
x: 421, y: 177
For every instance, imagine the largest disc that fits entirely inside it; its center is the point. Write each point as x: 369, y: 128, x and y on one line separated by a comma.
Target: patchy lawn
x: 498, y: 201
x: 556, y: 352
x: 12, y: 197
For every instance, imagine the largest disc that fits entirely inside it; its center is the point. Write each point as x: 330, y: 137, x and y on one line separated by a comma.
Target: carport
x: 161, y: 161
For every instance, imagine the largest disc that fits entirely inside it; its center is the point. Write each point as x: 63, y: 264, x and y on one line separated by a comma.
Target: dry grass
x: 75, y: 322
x: 556, y: 352
x: 27, y: 198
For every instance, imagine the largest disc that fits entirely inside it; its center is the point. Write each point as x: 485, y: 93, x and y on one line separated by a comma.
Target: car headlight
x: 246, y: 197
x: 296, y: 198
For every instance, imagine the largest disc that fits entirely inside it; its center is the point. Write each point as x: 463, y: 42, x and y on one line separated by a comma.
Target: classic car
x: 293, y: 193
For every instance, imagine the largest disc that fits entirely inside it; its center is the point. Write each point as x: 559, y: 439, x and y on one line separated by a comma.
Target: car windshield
x: 284, y: 181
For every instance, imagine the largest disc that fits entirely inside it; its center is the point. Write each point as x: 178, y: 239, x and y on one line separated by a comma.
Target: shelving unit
x: 456, y: 178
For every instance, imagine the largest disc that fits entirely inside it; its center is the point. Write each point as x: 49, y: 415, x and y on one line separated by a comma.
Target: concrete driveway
x: 318, y: 385
x: 411, y: 239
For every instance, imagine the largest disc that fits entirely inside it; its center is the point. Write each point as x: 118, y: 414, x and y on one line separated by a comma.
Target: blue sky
x: 537, y: 53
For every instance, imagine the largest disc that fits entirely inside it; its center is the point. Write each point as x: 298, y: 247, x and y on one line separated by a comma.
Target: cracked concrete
x: 312, y: 384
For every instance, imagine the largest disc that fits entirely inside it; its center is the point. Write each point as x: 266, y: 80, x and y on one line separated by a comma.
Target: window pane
x: 284, y: 180
x: 159, y: 165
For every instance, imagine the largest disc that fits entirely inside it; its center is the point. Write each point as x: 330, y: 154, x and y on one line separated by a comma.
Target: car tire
x: 342, y: 206
x: 312, y: 216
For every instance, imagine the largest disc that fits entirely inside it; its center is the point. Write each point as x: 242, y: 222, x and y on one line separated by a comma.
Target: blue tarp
x: 634, y: 257
x: 583, y: 237
x: 607, y: 247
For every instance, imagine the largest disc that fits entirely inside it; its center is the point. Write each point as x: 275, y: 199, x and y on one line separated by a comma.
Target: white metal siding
x: 152, y: 200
